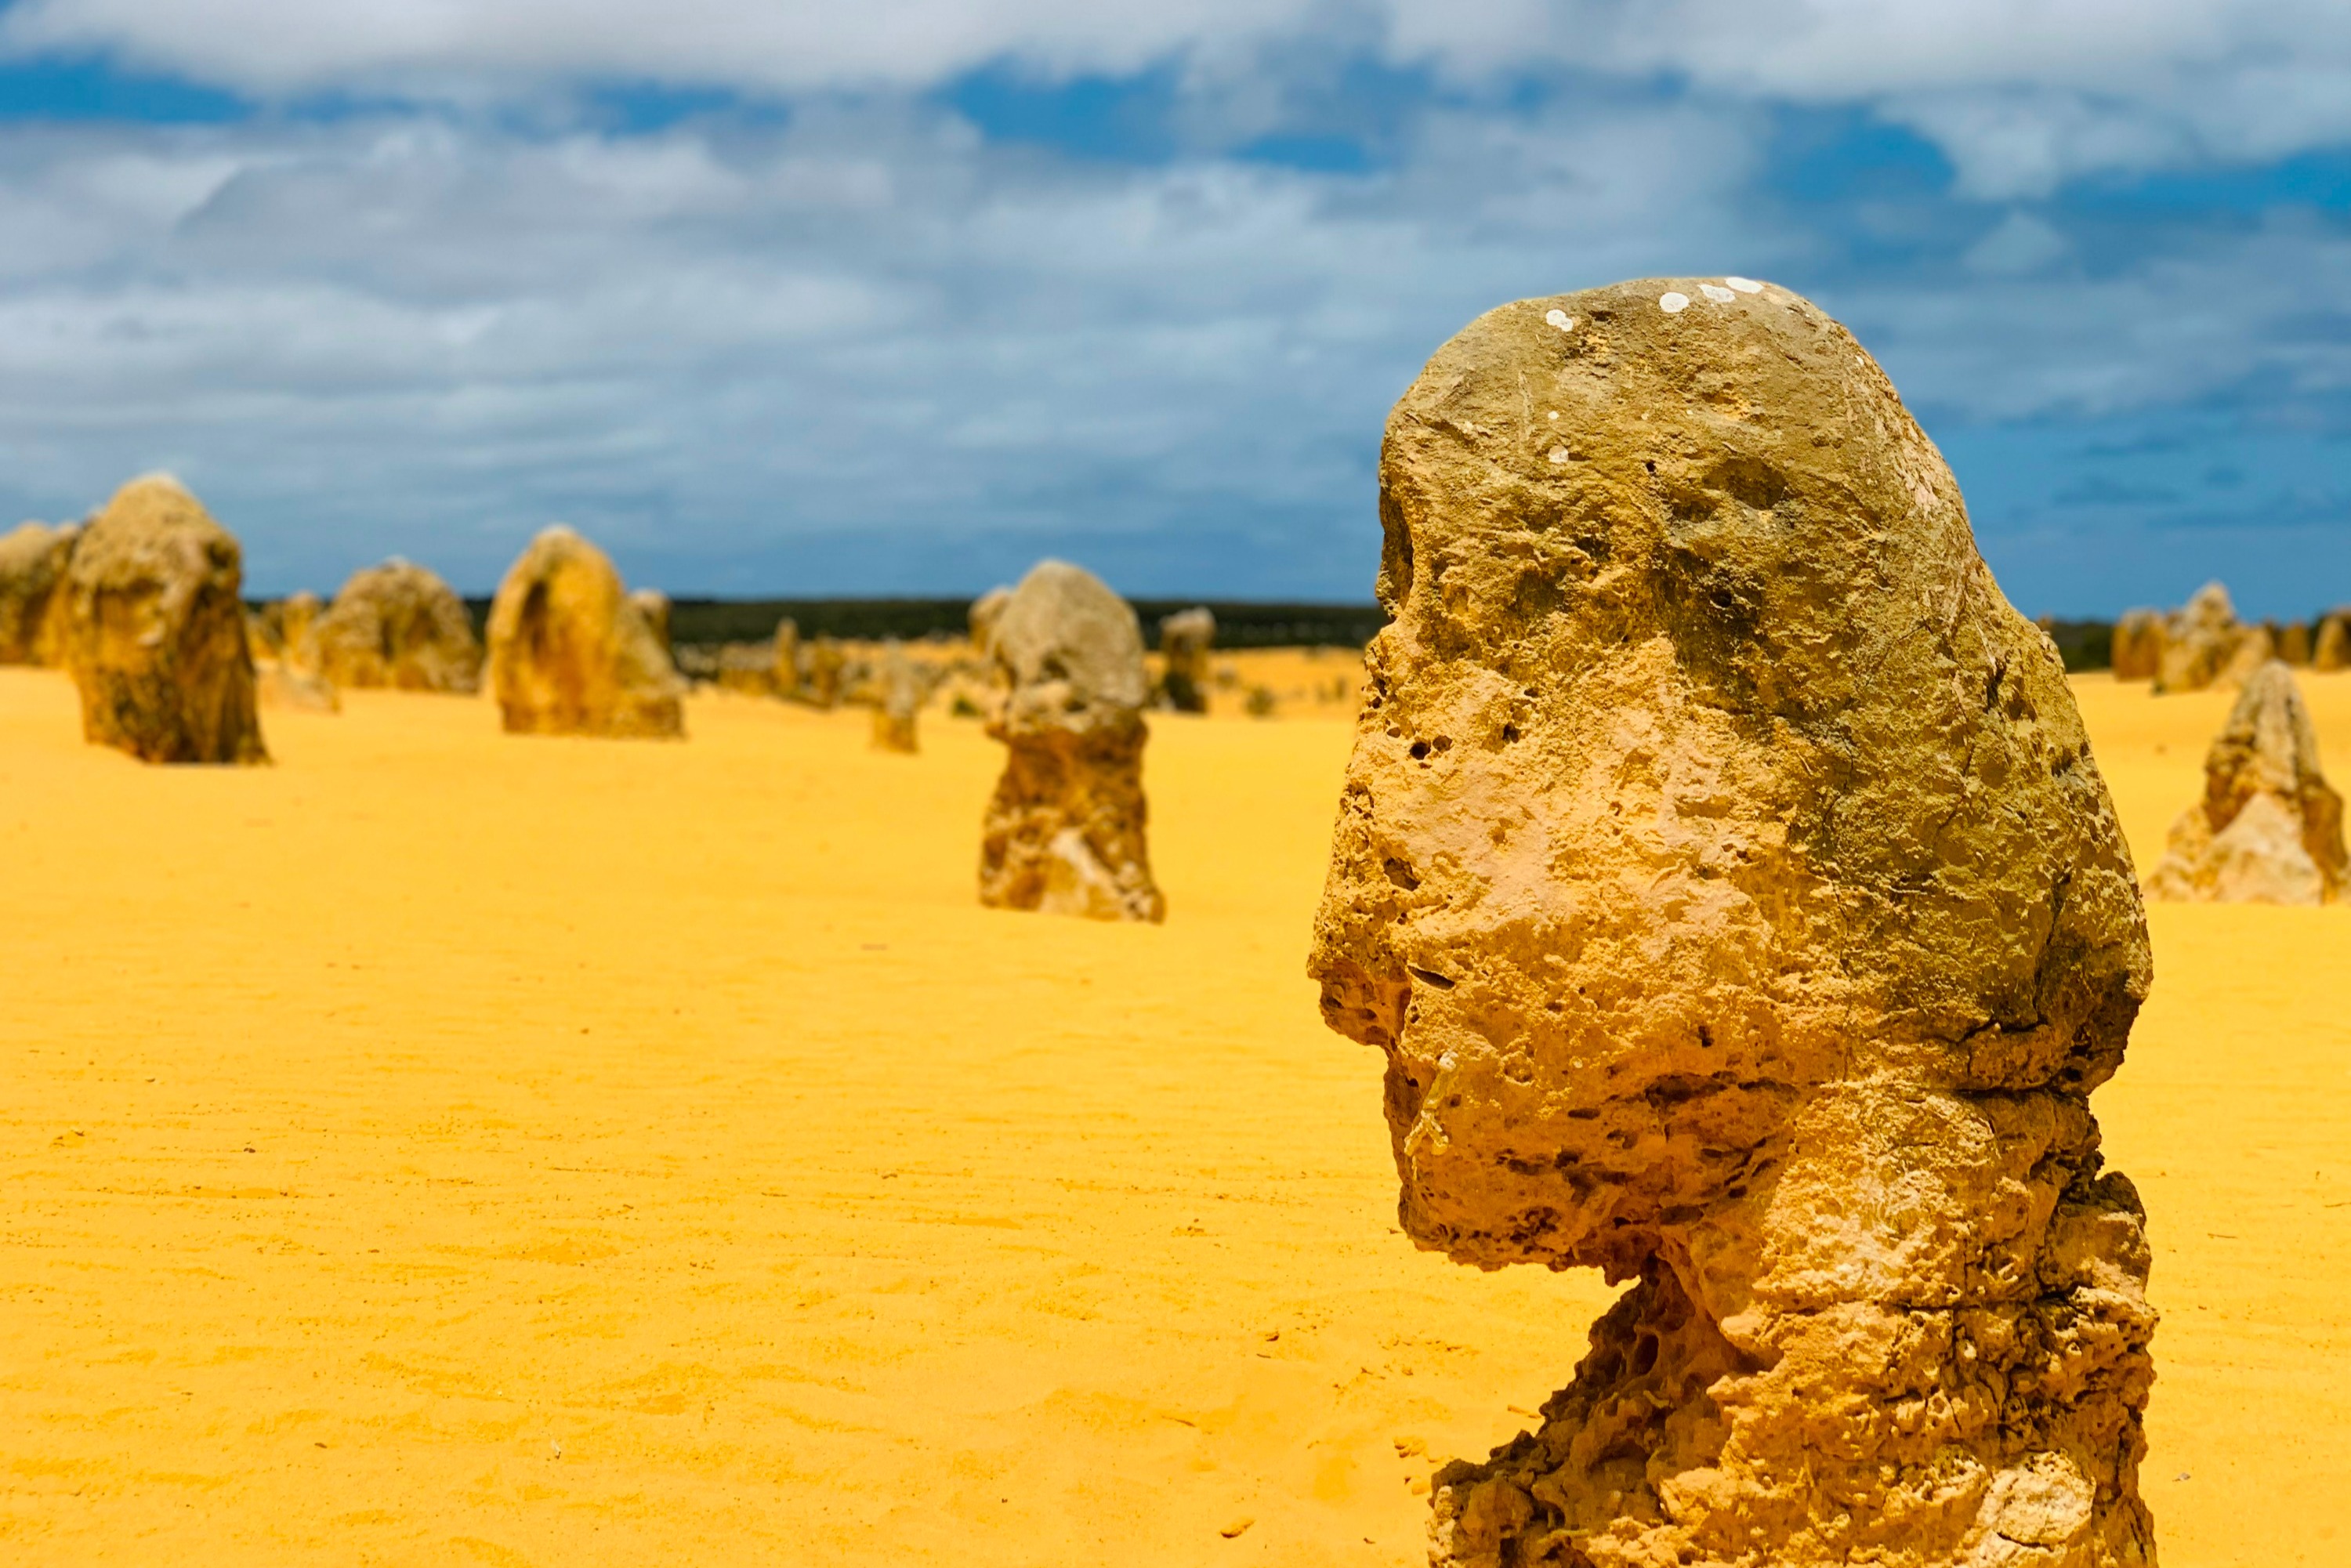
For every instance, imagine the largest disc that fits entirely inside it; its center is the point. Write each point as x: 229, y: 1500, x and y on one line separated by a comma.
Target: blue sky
x: 797, y: 299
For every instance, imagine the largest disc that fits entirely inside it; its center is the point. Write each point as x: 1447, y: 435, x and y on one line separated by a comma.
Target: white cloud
x: 2022, y: 94
x: 433, y: 335
x: 399, y: 334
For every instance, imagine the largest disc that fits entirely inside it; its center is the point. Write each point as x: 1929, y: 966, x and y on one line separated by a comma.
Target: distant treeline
x: 1239, y: 625
x: 2085, y: 645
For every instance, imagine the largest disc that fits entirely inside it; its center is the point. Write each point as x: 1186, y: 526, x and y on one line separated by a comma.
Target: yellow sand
x: 443, y: 1147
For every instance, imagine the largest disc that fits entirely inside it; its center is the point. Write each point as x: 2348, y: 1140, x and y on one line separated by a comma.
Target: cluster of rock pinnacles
x: 1720, y: 867
x: 144, y: 605
x: 1723, y: 872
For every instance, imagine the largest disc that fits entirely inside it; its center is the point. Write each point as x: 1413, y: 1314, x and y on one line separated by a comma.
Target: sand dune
x: 450, y: 1148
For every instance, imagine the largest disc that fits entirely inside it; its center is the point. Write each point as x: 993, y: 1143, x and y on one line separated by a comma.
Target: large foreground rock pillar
x: 1722, y: 870
x: 1064, y: 831
x: 2269, y: 828
x: 569, y: 655
x: 153, y: 630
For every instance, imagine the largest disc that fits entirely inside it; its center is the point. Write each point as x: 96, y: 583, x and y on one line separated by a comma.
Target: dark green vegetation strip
x: 1239, y: 625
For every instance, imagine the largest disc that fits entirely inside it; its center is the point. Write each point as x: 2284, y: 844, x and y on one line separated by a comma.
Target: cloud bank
x: 835, y: 328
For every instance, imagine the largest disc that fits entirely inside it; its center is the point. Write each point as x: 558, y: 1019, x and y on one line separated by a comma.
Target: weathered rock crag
x: 2331, y: 648
x: 33, y: 558
x: 1723, y: 868
x: 2138, y: 645
x: 2204, y: 642
x: 154, y: 631
x: 396, y: 625
x: 821, y: 684
x: 297, y: 617
x: 1065, y: 831
x: 985, y: 612
x: 653, y: 605
x: 2269, y: 828
x: 569, y: 655
x: 1186, y: 638
x: 900, y: 703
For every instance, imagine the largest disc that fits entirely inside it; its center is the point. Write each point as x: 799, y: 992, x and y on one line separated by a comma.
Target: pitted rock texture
x: 1184, y: 641
x: 2138, y: 645
x: 1723, y: 872
x: 154, y: 631
x: 2269, y: 828
x: 2204, y: 642
x: 397, y: 625
x: 900, y: 702
x: 33, y: 557
x: 569, y: 655
x: 1065, y: 831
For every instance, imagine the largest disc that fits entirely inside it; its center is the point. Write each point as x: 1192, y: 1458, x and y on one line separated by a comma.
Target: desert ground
x: 442, y: 1147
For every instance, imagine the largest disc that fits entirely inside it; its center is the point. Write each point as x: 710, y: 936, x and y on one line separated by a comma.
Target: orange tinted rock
x: 653, y: 605
x: 2292, y: 643
x: 569, y: 655
x: 1723, y: 872
x: 396, y: 625
x: 2331, y: 649
x: 2204, y: 642
x: 297, y: 625
x: 2269, y: 828
x: 1064, y: 830
x: 1184, y: 641
x: 278, y: 684
x: 153, y: 630
x: 900, y: 703
x: 985, y: 612
x: 2138, y: 645
x: 821, y: 684
x: 33, y: 557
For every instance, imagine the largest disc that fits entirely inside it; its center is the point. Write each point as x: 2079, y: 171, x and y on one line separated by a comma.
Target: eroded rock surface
x: 1065, y: 831
x: 2331, y: 649
x: 396, y: 625
x: 153, y: 630
x: 569, y: 655
x: 821, y: 684
x: 2138, y: 645
x: 899, y: 703
x: 2269, y: 828
x: 653, y: 605
x: 298, y: 624
x: 984, y: 611
x: 1186, y: 638
x: 33, y: 557
x: 2204, y: 642
x: 1723, y: 872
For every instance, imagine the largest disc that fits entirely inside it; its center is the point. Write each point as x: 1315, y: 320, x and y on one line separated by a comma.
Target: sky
x: 801, y: 299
